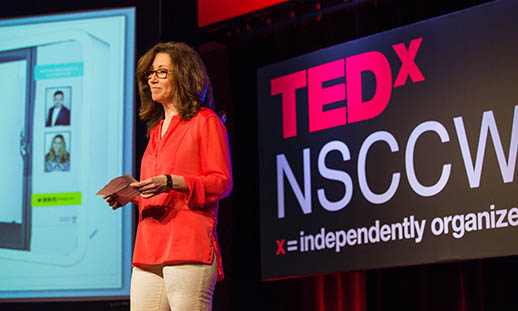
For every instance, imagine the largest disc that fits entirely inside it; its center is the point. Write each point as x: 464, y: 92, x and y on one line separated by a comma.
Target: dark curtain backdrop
x: 233, y: 51
x: 235, y: 56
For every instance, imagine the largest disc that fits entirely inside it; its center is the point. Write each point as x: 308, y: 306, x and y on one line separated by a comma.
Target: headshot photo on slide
x: 57, y: 156
x: 58, y: 106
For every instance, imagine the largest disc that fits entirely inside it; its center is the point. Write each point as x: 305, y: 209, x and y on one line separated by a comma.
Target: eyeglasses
x: 160, y: 73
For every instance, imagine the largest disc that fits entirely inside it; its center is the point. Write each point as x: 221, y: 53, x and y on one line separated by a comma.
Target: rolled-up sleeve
x: 215, y: 182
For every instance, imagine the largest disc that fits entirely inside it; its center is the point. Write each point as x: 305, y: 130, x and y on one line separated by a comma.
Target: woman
x: 58, y: 159
x: 185, y: 171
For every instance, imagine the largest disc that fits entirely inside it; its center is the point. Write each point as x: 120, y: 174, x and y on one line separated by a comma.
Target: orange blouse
x: 175, y: 227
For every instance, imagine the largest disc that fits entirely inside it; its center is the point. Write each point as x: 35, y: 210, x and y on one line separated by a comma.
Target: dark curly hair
x: 190, y: 82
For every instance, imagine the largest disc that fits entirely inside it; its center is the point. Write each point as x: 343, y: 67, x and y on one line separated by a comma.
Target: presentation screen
x: 67, y: 129
x: 392, y: 150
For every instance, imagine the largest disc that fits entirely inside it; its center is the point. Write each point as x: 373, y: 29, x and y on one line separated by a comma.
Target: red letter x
x: 408, y: 67
x: 280, y: 247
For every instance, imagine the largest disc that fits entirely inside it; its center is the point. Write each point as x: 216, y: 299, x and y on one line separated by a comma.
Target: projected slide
x: 67, y: 96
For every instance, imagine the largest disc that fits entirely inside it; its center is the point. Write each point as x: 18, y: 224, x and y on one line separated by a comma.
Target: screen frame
x: 128, y: 150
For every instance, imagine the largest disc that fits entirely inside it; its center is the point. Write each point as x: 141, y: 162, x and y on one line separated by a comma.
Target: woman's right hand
x: 112, y: 201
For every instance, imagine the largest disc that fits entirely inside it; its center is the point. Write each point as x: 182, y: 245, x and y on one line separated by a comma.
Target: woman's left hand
x: 151, y: 186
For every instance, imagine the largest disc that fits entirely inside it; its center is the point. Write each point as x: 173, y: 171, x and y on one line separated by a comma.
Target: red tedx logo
x: 351, y: 67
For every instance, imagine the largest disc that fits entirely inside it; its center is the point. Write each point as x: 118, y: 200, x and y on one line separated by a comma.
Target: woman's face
x: 161, y: 89
x: 57, y: 144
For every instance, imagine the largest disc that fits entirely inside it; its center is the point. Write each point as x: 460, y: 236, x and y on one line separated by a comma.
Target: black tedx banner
x: 395, y: 149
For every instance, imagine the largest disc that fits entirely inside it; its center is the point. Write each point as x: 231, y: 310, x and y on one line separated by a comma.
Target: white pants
x: 186, y: 287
